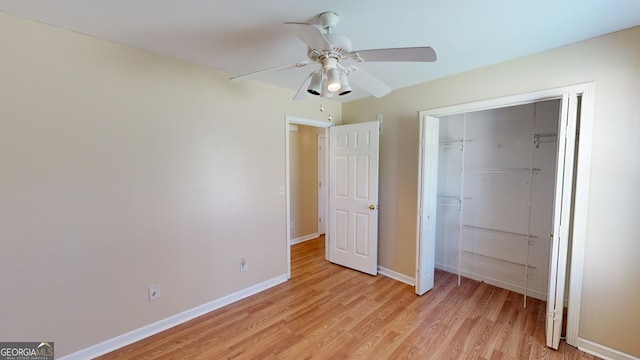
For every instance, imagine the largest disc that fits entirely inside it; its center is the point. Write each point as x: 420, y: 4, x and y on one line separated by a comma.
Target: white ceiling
x: 241, y: 36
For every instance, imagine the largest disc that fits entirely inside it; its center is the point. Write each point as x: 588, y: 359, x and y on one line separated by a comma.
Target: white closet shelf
x: 521, y: 267
x: 453, y: 143
x: 442, y: 203
x: 547, y: 134
x: 501, y: 170
x: 531, y: 268
x: 500, y: 234
x: 451, y: 200
x: 453, y: 197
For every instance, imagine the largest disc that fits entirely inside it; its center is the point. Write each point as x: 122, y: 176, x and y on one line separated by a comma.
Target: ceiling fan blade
x: 368, y: 83
x: 273, y: 69
x: 420, y: 54
x: 302, y: 91
x: 310, y: 34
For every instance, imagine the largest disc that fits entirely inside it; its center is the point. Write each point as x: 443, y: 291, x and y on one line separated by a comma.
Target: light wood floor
x: 329, y: 312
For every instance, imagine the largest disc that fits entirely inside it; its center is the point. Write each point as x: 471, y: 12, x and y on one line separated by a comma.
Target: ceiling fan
x: 336, y: 59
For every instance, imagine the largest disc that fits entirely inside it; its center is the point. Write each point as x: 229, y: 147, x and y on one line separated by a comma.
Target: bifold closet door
x: 562, y: 218
x: 428, y: 192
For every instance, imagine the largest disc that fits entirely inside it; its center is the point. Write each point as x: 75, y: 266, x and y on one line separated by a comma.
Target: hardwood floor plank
x: 326, y: 311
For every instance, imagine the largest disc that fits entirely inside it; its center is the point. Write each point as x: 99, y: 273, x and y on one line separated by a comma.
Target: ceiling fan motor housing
x: 341, y: 47
x: 340, y: 43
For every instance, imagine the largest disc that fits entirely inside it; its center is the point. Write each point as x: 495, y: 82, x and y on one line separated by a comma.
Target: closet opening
x: 503, y: 193
x: 496, y: 172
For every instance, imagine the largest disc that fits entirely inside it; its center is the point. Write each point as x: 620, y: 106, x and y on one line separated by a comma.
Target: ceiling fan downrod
x: 328, y: 20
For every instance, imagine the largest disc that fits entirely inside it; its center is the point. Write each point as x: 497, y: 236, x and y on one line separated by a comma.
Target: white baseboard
x: 397, y: 276
x: 303, y: 238
x: 159, y: 326
x: 602, y: 351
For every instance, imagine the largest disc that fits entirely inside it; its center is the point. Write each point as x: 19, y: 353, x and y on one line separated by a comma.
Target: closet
x: 496, y: 181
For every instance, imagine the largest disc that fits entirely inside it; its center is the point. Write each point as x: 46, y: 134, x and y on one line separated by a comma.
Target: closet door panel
x: 542, y: 200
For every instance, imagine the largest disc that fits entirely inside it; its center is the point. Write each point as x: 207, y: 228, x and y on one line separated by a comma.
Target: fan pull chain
x: 330, y: 118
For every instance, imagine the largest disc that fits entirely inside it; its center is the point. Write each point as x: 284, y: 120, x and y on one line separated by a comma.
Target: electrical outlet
x: 154, y: 292
x: 293, y: 225
x: 243, y: 264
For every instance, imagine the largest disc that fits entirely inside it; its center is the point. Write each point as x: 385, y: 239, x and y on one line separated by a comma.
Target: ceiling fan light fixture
x: 315, y: 86
x: 346, y: 88
x: 326, y: 94
x: 333, y: 80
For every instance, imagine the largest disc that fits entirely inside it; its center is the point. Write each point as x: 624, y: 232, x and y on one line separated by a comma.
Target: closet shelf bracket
x: 541, y: 138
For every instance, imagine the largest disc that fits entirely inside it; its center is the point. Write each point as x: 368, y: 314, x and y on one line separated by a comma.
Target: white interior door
x: 427, y: 203
x: 322, y: 186
x: 561, y: 218
x: 353, y: 196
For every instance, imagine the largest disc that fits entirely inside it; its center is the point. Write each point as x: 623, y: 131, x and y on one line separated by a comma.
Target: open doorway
x: 351, y: 213
x: 306, y: 169
x: 301, y: 145
x: 473, y: 253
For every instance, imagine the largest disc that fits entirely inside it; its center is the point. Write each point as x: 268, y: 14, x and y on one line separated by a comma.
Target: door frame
x: 292, y: 120
x: 322, y: 175
x: 582, y: 172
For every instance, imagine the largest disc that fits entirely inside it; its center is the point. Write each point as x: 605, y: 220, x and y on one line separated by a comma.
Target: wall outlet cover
x: 154, y: 292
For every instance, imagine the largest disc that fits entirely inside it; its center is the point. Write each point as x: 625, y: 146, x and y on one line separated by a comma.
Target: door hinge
x: 568, y: 131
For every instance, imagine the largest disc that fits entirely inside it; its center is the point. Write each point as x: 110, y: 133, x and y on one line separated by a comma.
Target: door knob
x: 372, y: 207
